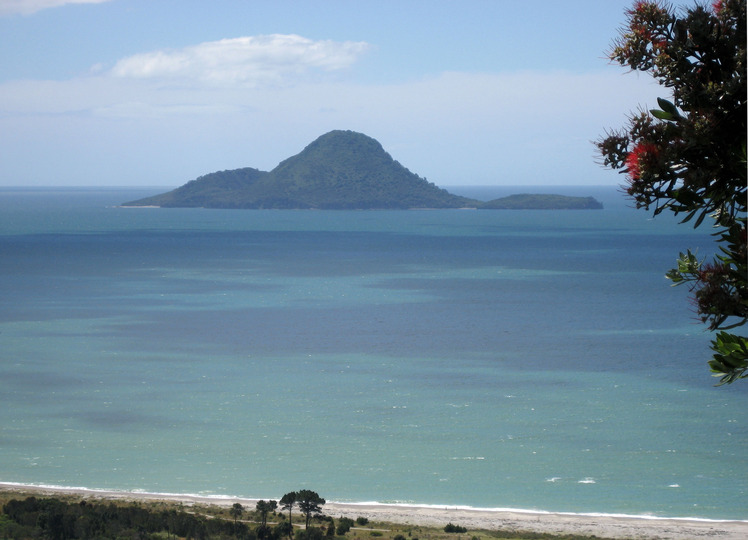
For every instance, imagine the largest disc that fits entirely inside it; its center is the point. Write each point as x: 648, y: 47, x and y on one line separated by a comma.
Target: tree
x: 236, y: 511
x: 264, y: 508
x: 689, y: 156
x: 283, y: 528
x: 309, y: 502
x: 344, y: 525
x: 287, y: 502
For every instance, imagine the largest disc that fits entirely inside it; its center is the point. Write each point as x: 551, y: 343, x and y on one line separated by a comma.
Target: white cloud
x: 247, y: 60
x: 27, y: 7
x: 453, y: 128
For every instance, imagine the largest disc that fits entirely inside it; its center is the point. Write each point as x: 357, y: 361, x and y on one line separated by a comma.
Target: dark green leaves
x: 667, y: 111
x: 731, y: 359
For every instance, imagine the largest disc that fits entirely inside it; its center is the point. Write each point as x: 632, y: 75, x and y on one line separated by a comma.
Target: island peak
x: 340, y: 170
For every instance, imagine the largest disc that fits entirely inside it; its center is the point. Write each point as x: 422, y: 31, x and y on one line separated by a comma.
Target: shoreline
x: 601, y: 525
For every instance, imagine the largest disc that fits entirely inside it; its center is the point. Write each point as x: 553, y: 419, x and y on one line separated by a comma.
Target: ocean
x: 534, y: 360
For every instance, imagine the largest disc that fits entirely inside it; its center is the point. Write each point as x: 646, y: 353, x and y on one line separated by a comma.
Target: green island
x: 528, y: 201
x: 341, y: 170
x: 71, y: 517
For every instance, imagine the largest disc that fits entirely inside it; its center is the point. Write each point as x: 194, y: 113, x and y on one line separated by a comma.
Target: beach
x: 605, y: 526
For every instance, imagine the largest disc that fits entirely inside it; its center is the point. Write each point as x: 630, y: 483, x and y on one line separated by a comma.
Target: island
x: 529, y: 201
x: 340, y: 170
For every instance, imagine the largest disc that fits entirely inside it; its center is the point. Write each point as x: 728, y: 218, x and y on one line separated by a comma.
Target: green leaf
x: 662, y: 115
x: 668, y: 107
x: 731, y: 359
x: 675, y: 276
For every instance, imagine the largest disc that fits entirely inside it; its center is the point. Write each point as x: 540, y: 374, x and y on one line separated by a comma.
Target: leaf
x: 731, y: 358
x: 699, y: 219
x: 675, y: 276
x: 662, y: 115
x: 668, y: 107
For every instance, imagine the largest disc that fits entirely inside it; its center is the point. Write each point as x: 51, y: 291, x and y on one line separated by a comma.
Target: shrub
x: 344, y: 525
x: 312, y: 533
x: 450, y: 528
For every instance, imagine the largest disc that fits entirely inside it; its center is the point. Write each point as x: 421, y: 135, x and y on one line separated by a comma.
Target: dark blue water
x: 533, y: 360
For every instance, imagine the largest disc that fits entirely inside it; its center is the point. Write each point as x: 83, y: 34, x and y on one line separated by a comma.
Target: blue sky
x: 158, y: 92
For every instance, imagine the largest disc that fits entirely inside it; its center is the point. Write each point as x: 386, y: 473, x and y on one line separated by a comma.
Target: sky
x: 159, y: 92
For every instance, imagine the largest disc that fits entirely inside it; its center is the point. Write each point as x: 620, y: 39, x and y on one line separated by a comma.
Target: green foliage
x: 287, y: 502
x: 542, y: 202
x: 344, y: 525
x: 264, y: 508
x: 451, y: 528
x: 72, y: 519
x: 264, y: 532
x: 222, y: 189
x: 55, y: 519
x: 689, y: 156
x: 362, y: 521
x: 309, y: 503
x: 311, y: 533
x: 339, y: 170
x: 236, y: 511
x: 283, y: 528
x: 729, y: 360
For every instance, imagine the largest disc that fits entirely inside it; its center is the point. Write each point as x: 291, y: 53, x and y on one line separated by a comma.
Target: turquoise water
x: 534, y: 360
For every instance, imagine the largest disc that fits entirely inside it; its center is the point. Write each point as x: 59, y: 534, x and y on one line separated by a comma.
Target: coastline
x: 601, y: 525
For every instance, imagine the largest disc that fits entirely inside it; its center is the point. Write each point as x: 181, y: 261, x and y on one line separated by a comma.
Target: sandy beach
x: 622, y: 527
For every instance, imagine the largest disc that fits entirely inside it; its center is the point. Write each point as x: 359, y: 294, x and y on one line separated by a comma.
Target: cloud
x: 264, y: 59
x: 453, y: 128
x: 27, y: 7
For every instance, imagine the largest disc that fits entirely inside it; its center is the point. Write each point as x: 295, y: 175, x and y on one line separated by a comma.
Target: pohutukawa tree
x: 689, y: 155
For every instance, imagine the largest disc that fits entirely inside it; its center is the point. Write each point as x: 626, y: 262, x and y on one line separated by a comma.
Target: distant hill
x: 339, y: 170
x: 543, y: 202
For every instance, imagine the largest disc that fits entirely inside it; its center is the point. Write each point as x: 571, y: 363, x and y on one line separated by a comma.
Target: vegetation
x: 344, y: 525
x: 310, y: 503
x: 236, y: 511
x: 689, y: 156
x: 222, y: 189
x: 451, y: 528
x: 74, y: 517
x: 264, y: 508
x: 339, y: 170
x: 57, y: 520
x: 287, y: 503
x: 542, y: 202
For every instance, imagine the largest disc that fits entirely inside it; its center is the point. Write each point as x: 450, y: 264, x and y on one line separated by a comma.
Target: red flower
x: 717, y: 6
x: 659, y: 43
x: 642, y: 152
